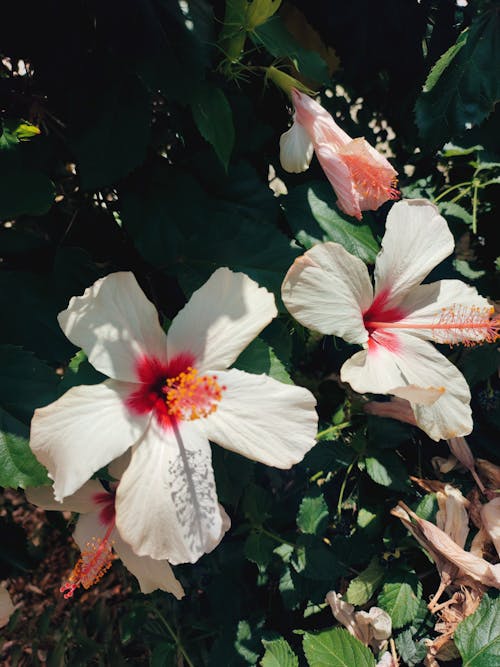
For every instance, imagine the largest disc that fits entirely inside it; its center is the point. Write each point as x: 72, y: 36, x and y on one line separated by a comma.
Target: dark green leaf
x: 278, y: 654
x: 259, y: 549
x: 400, y: 597
x: 214, y: 119
x: 258, y: 358
x: 313, y: 217
x: 280, y: 43
x: 411, y: 651
x: 463, y: 86
x: 313, y: 514
x: 478, y: 636
x: 26, y: 382
x: 387, y: 469
x: 115, y: 142
x: 363, y: 587
x: 18, y: 466
x: 336, y: 648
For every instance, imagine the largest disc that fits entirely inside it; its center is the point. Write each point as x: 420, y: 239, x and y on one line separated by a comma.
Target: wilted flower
x: 362, y: 178
x: 373, y: 627
x: 6, y: 606
x: 167, y: 396
x: 329, y: 290
x: 446, y: 553
x: 97, y: 538
x: 461, y: 450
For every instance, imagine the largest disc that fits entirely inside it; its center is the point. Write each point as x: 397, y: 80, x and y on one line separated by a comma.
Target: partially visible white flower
x: 167, y: 397
x: 6, y: 606
x: 329, y: 290
x: 97, y: 537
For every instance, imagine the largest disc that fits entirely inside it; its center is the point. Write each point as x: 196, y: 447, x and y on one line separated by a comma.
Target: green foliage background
x: 153, y: 156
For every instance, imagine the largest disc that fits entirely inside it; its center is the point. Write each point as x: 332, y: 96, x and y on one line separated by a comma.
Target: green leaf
x: 313, y: 514
x: 478, y: 636
x: 463, y: 86
x: 278, y: 654
x: 363, y: 587
x: 114, y: 142
x: 259, y: 357
x: 259, y: 549
x: 23, y: 190
x: 411, y: 651
x: 400, y: 597
x: 214, y: 119
x: 427, y: 507
x: 26, y: 382
x: 18, y: 465
x: 313, y: 217
x: 453, y: 210
x: 274, y: 36
x: 336, y: 648
x: 387, y: 469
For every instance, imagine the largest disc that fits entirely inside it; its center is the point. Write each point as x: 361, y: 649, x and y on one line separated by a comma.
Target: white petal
x: 88, y: 527
x: 447, y: 302
x: 166, y: 501
x: 150, y: 573
x: 115, y: 324
x: 263, y: 419
x: 83, y: 431
x: 327, y: 289
x: 221, y: 319
x: 413, y: 361
x: 82, y: 501
x: 416, y: 240
x: 372, y: 371
x: 296, y: 149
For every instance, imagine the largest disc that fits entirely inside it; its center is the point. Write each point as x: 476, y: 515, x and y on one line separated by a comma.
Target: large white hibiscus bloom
x: 330, y: 291
x: 97, y: 538
x: 167, y: 397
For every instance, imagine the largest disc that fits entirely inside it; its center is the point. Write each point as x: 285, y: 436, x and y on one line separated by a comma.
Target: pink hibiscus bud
x: 362, y: 178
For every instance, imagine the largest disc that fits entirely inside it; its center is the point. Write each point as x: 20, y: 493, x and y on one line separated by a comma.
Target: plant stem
x: 474, y: 209
x: 342, y: 488
x: 277, y: 538
x: 450, y: 189
x: 336, y: 428
x: 175, y: 637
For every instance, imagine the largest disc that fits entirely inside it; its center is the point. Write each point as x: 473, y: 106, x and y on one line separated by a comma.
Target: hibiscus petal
x: 444, y: 302
x: 81, y: 501
x: 83, y: 431
x: 296, y: 149
x: 372, y: 174
x: 412, y: 361
x: 318, y: 123
x: 115, y: 324
x: 221, y: 319
x: 338, y: 173
x: 417, y: 238
x: 327, y: 289
x: 263, y: 419
x: 166, y: 501
x: 150, y: 573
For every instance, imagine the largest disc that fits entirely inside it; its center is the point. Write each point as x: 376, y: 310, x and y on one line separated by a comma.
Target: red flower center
x: 174, y: 391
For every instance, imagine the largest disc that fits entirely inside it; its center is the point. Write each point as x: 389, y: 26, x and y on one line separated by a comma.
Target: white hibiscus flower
x: 329, y: 290
x: 167, y: 396
x: 97, y: 538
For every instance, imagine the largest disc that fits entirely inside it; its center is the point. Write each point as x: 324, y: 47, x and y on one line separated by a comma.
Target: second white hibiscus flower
x: 329, y: 290
x: 167, y: 396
